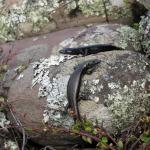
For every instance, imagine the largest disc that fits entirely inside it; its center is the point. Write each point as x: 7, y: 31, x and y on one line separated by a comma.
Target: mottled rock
x: 117, y: 92
x: 144, y: 32
x: 42, y: 14
x: 49, y: 27
x: 146, y: 3
x: 25, y: 28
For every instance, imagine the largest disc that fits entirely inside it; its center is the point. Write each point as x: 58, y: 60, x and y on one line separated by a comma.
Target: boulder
x: 115, y: 94
x: 46, y: 16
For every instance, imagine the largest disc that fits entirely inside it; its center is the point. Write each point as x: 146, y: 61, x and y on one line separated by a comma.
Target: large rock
x: 116, y: 93
x: 18, y: 18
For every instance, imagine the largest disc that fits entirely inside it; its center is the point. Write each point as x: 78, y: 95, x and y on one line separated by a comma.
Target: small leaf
x: 95, y: 132
x: 132, y: 138
x: 102, y: 146
x: 84, y: 138
x: 120, y: 144
x: 88, y: 129
x: 104, y: 140
x: 88, y: 123
x: 2, y: 99
x: 145, y: 138
x: 28, y: 129
x: 75, y: 130
x: 89, y: 140
x: 98, y: 144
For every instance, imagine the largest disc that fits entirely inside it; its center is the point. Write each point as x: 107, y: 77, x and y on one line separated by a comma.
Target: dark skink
x: 88, y: 50
x: 73, y: 86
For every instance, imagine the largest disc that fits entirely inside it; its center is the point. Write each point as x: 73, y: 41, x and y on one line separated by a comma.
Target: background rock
x: 117, y: 90
x: 144, y: 32
x: 145, y: 3
x: 25, y: 28
x: 49, y: 15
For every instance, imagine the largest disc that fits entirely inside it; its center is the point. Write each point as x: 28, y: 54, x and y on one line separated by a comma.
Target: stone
x: 116, y: 94
x: 26, y: 28
x: 49, y: 27
x: 144, y: 32
x: 145, y: 3
x: 39, y: 15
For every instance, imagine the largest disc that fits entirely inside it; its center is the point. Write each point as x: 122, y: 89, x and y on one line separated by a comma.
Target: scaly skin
x: 74, y: 82
x: 88, y: 50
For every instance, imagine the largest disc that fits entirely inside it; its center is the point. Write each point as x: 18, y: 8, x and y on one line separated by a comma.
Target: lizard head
x: 67, y: 51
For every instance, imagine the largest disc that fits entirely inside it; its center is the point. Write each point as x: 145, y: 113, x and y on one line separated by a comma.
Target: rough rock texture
x: 146, y: 3
x: 144, y: 32
x: 117, y: 91
x: 25, y: 18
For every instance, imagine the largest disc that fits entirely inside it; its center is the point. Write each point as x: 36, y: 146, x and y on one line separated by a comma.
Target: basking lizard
x: 88, y: 50
x: 74, y: 82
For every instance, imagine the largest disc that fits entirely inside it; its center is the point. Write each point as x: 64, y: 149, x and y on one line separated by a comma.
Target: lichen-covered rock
x: 56, y: 14
x: 144, y: 31
x: 120, y: 35
x: 115, y: 95
x: 3, y: 121
x: 146, y: 3
x: 25, y: 28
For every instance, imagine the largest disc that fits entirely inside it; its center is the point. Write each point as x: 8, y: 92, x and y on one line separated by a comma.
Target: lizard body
x: 74, y: 82
x: 88, y: 50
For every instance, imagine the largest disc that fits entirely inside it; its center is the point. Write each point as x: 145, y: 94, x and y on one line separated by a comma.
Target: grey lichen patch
x: 113, y: 85
x: 90, y: 89
x: 95, y: 34
x: 5, y: 29
x: 53, y: 87
x: 25, y: 18
x: 129, y: 36
x: 122, y: 103
x: 9, y: 144
x: 97, y: 8
x: 3, y: 121
x: 144, y: 31
x: 56, y: 101
x: 119, y: 11
x: 38, y: 14
x: 92, y: 7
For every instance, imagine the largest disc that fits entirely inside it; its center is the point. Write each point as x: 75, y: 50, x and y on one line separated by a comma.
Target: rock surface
x: 43, y: 16
x: 146, y: 3
x: 116, y: 93
x: 144, y: 32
